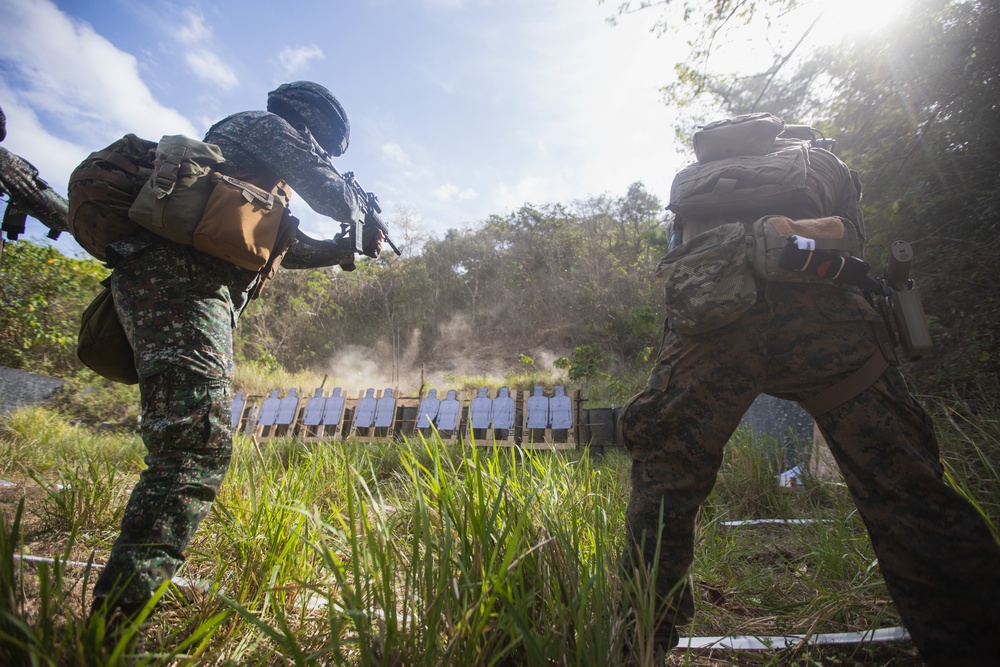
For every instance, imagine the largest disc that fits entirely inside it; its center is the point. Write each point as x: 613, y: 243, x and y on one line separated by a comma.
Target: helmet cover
x: 315, y: 106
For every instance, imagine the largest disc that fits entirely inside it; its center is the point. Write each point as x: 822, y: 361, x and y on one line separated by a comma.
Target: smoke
x: 456, y: 356
x: 355, y: 368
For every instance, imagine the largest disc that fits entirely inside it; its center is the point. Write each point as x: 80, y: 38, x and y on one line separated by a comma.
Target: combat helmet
x: 316, y: 107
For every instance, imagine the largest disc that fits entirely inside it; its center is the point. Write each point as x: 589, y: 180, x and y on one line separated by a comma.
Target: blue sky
x: 459, y: 108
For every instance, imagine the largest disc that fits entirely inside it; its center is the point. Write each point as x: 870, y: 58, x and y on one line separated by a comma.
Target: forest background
x: 914, y: 108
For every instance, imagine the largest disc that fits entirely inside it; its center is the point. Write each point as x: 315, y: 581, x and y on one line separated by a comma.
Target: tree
x: 42, y: 295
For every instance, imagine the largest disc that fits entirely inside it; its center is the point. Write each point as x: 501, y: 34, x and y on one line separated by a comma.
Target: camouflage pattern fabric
x: 937, y: 555
x: 20, y: 181
x: 179, y: 308
x: 707, y: 281
x: 252, y: 139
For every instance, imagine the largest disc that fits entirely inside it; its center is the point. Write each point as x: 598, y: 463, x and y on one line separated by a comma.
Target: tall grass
x: 423, y: 552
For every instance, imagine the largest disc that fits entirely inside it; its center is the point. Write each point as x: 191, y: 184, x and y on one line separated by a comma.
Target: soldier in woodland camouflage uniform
x: 179, y: 308
x: 26, y: 191
x: 938, y: 557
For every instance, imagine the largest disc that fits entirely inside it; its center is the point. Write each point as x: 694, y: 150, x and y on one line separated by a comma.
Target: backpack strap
x: 286, y: 235
x: 118, y: 160
x: 848, y: 388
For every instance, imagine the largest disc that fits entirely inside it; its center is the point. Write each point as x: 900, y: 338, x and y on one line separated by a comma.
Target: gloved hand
x: 371, y: 241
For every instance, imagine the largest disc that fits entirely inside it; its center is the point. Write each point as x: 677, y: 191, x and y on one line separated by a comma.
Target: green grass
x: 429, y: 553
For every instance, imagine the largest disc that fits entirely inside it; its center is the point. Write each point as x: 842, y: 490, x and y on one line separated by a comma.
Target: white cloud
x: 195, y: 31
x: 531, y: 189
x: 395, y: 154
x: 445, y: 4
x: 202, y: 61
x: 68, y: 91
x: 591, y: 94
x: 294, y: 59
x: 67, y: 70
x: 209, y: 67
x: 445, y: 192
x: 451, y: 192
x: 53, y: 157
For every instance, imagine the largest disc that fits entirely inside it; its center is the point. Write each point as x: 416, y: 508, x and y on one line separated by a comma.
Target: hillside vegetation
x: 426, y: 553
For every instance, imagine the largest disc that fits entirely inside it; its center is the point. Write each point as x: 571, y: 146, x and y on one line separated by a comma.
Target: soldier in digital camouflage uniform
x: 937, y: 555
x: 26, y: 192
x: 179, y: 307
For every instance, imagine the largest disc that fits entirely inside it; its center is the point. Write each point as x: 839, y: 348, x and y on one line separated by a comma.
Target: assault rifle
x: 370, y: 210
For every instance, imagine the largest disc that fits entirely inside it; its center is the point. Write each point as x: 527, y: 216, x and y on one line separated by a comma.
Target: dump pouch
x: 770, y: 236
x: 241, y: 222
x: 171, y: 203
x: 708, y: 283
x: 102, y: 345
x: 749, y: 134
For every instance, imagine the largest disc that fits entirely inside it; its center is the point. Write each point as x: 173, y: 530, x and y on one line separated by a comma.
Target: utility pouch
x: 749, y: 134
x: 770, y: 236
x: 102, y: 345
x: 171, y: 203
x: 708, y: 280
x: 241, y: 222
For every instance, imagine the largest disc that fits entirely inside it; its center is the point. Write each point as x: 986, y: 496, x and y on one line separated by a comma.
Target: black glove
x: 308, y: 253
x: 371, y: 239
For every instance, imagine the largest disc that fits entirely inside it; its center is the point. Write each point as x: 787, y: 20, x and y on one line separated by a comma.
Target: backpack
x: 756, y: 171
x: 136, y: 184
x: 102, y: 189
x: 169, y: 188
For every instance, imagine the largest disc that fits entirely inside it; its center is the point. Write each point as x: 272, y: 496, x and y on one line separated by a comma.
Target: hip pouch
x: 708, y: 282
x: 772, y: 233
x: 241, y: 222
x: 102, y: 345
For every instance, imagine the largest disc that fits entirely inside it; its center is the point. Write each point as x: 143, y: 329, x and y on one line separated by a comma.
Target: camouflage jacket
x: 264, y: 143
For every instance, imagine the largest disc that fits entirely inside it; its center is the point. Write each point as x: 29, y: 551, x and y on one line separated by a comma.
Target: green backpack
x: 753, y: 167
x: 136, y: 184
x: 113, y: 194
x: 103, y: 188
x: 743, y: 169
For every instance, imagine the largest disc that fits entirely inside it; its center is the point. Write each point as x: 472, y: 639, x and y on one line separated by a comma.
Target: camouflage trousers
x: 177, y: 307
x: 938, y: 557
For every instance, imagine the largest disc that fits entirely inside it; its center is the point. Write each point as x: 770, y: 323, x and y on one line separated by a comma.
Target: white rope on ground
x: 40, y: 559
x: 751, y: 643
x: 736, y: 642
x: 759, y: 522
